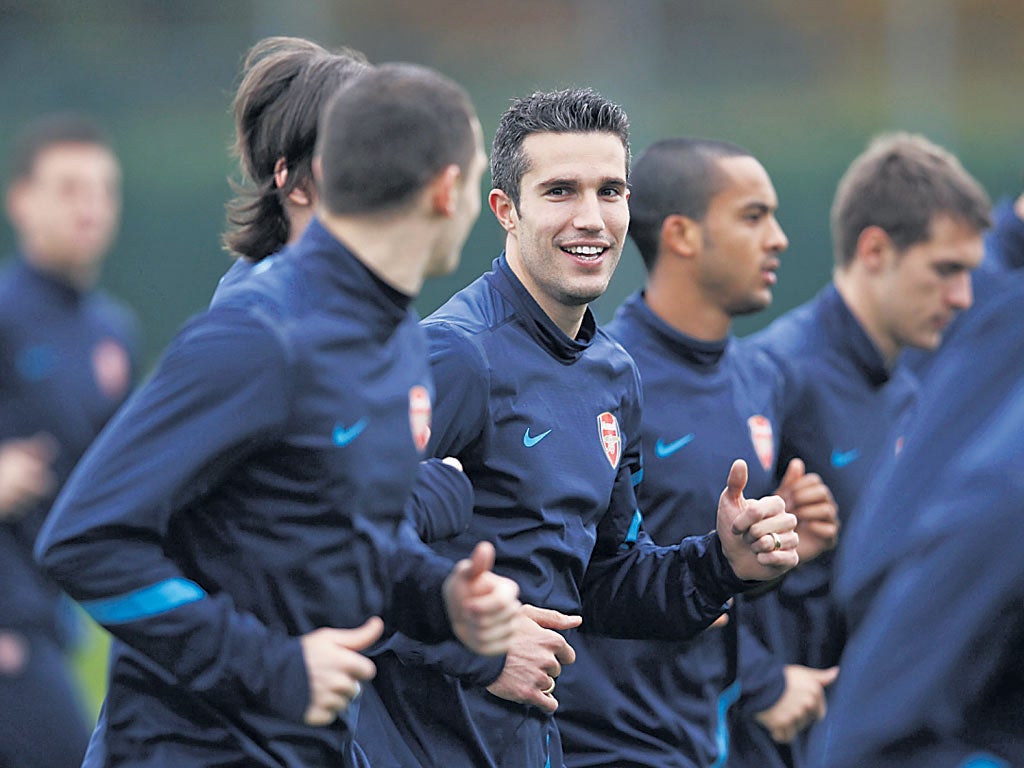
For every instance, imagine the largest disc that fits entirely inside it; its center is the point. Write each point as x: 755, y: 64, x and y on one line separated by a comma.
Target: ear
x: 443, y: 191
x: 504, y: 209
x: 13, y: 201
x: 298, y: 196
x: 874, y: 248
x: 682, y: 236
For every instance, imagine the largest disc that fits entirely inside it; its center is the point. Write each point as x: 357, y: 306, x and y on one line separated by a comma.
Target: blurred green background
x: 802, y: 83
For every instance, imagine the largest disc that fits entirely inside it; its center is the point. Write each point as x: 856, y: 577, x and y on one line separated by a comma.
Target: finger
x: 811, y: 512
x: 482, y: 559
x: 495, y: 601
x: 774, y: 521
x: 551, y: 619
x: 775, y: 542
x: 737, y: 481
x: 42, y: 446
x: 827, y: 676
x: 566, y: 654
x: 794, y: 471
x: 318, y: 715
x: 360, y: 638
x: 451, y: 461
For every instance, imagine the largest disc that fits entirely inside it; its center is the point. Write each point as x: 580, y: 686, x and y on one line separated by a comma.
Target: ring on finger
x: 550, y: 689
x: 778, y: 542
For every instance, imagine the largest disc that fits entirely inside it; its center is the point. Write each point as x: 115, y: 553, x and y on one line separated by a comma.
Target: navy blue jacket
x: 932, y: 571
x: 67, y: 361
x: 662, y: 702
x: 548, y: 429
x: 841, y: 403
x: 441, y: 501
x: 251, y: 492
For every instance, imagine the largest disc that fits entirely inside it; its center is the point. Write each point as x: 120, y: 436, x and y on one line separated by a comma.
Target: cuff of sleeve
x: 762, y: 697
x: 288, y: 693
x: 729, y: 583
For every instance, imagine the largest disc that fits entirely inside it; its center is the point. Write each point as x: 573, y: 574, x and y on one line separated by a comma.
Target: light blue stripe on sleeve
x: 727, y: 698
x: 145, y: 602
x: 634, y: 529
x: 638, y: 477
x: 984, y: 761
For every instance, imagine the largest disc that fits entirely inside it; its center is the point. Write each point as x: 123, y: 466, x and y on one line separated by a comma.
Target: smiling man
x: 907, y: 227
x: 543, y: 410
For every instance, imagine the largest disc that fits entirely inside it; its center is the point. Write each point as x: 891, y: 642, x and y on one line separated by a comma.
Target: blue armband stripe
x: 638, y: 477
x: 145, y: 602
x: 727, y: 698
x: 634, y: 527
x: 984, y: 761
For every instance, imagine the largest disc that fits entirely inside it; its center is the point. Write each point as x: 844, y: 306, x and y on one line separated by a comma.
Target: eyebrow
x: 612, y: 181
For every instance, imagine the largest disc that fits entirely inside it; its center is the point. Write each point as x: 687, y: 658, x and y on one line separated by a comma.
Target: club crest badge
x: 761, y: 437
x: 419, y: 416
x: 111, y: 368
x: 611, y: 440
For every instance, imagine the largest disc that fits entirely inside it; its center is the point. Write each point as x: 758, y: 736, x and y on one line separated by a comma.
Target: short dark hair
x: 285, y: 84
x: 674, y: 176
x: 571, y: 110
x: 48, y: 131
x: 900, y: 183
x: 389, y: 132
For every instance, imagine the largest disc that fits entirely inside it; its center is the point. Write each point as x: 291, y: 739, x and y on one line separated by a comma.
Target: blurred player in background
x: 67, y: 361
x: 240, y: 525
x: 907, y: 225
x: 702, y: 214
x: 933, y: 673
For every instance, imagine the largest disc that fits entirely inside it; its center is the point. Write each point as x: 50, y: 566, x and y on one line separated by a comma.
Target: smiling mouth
x: 585, y: 252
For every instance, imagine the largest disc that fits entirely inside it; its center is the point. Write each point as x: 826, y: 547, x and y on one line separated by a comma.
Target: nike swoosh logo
x: 663, y: 450
x: 529, y: 442
x: 343, y: 436
x: 841, y: 459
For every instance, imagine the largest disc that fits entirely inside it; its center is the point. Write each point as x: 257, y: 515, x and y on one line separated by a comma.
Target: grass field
x: 90, y: 665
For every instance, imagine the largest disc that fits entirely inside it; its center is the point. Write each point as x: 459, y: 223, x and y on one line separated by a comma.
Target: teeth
x: 584, y: 250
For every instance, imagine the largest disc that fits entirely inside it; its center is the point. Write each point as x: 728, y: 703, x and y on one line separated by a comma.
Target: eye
x: 557, y: 192
x: 948, y: 270
x: 611, y: 192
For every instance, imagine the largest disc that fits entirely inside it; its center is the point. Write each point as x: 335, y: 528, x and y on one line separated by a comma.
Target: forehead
x: 574, y: 156
x: 743, y: 181
x: 75, y: 158
x: 951, y: 240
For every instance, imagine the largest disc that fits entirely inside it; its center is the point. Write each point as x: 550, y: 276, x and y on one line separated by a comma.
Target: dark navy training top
x: 841, y: 403
x: 932, y: 571
x: 251, y: 492
x: 548, y: 429
x: 662, y: 702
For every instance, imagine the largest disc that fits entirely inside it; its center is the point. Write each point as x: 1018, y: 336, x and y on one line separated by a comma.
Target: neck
x: 568, y: 317
x: 395, y: 248
x: 680, y: 304
x: 864, y: 308
x: 82, y: 279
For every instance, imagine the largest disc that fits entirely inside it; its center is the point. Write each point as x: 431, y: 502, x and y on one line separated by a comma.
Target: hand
x: 482, y: 606
x: 335, y: 667
x: 817, y: 514
x: 745, y: 528
x: 535, y: 658
x: 1018, y: 207
x: 801, y: 703
x: 25, y: 474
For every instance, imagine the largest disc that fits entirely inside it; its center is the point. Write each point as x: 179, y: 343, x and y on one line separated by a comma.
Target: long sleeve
x: 220, y: 392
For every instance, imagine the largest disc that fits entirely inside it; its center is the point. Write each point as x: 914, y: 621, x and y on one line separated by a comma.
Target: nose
x: 587, y: 216
x: 777, y: 240
x: 960, y: 292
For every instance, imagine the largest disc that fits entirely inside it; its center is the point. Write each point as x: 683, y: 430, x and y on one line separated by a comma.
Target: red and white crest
x: 611, y: 440
x: 761, y: 437
x: 111, y: 368
x: 419, y: 416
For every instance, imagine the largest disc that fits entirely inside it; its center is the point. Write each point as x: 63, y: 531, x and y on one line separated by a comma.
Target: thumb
x: 361, y: 637
x: 826, y: 676
x: 550, y: 619
x: 482, y: 560
x: 737, y: 481
x: 794, y: 471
